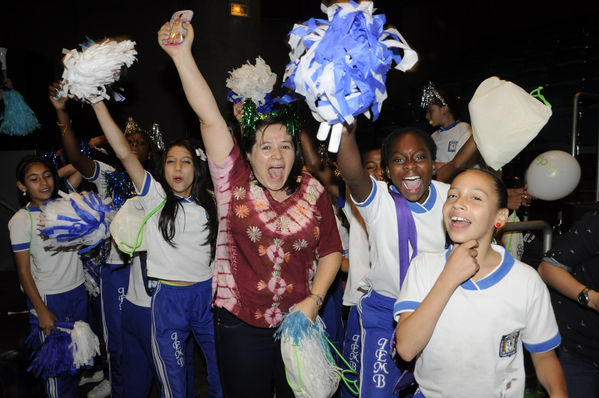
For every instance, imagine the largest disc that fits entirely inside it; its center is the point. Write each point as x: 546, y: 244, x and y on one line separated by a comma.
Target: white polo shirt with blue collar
x: 190, y: 259
x: 379, y: 214
x: 450, y: 139
x: 54, y: 272
x: 476, y: 347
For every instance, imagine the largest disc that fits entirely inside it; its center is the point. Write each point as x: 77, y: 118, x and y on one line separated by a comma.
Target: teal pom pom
x: 19, y: 119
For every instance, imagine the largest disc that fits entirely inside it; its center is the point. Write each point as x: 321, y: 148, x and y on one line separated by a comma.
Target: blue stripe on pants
x: 114, y: 282
x: 137, y: 361
x: 178, y: 311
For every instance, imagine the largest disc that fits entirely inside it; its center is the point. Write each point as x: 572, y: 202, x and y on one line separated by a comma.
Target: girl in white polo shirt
x: 467, y: 313
x: 52, y: 281
x: 179, y: 239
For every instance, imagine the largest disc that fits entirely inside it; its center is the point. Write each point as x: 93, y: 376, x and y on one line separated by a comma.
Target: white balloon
x: 552, y: 175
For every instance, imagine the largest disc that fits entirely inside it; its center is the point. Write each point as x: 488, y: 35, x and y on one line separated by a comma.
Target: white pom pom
x: 85, y: 345
x: 252, y: 81
x: 88, y: 72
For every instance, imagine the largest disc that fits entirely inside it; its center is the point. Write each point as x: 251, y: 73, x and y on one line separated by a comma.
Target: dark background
x: 530, y: 43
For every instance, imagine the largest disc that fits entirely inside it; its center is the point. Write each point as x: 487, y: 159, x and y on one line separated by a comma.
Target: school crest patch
x: 509, y: 344
x: 452, y: 146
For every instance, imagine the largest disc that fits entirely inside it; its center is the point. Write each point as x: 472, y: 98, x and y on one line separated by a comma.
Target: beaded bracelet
x: 317, y: 298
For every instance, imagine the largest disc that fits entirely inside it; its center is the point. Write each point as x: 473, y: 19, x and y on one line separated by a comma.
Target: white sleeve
x: 415, y: 287
x: 151, y: 193
x: 369, y: 208
x: 19, y: 228
x: 464, y: 137
x: 541, y: 333
x: 99, y: 177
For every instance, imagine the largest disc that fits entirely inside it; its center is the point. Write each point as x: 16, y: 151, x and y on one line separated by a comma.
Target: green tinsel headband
x: 286, y: 113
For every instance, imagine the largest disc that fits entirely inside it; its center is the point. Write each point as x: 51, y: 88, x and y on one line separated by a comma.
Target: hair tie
x: 201, y: 154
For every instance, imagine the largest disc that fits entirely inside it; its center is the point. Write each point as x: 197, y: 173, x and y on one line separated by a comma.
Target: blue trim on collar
x: 185, y: 200
x: 33, y: 208
x: 427, y: 205
x: 452, y: 125
x: 494, y: 277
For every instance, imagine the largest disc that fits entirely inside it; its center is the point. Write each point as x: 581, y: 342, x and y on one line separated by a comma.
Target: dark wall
x: 460, y: 44
x: 152, y: 88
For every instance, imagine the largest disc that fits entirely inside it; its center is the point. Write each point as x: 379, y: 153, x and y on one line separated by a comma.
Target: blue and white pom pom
x: 253, y: 82
x: 339, y: 65
x: 76, y: 220
x: 309, y: 366
x: 68, y: 348
x: 87, y: 73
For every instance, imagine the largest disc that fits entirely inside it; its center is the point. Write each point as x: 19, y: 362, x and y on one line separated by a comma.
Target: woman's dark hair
x: 23, y: 167
x: 395, y: 134
x: 200, y: 193
x: 249, y: 139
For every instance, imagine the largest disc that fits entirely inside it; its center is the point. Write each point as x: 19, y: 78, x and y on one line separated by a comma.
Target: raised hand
x: 173, y: 49
x: 59, y: 102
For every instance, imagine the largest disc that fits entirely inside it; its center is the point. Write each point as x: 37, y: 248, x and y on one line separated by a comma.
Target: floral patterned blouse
x: 266, y: 249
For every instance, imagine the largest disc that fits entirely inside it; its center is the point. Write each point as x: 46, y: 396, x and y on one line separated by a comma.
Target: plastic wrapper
x: 177, y: 32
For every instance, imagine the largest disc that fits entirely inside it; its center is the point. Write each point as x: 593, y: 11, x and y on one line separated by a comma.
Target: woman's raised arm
x: 217, y: 139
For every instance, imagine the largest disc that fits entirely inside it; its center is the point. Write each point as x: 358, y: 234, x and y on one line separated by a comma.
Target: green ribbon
x: 537, y: 94
x: 251, y: 116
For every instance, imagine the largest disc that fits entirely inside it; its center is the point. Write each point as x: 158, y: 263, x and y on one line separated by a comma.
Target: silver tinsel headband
x: 431, y: 95
x: 155, y: 135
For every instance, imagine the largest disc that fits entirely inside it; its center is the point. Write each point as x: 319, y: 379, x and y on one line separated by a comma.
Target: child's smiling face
x: 472, y: 207
x: 410, y: 167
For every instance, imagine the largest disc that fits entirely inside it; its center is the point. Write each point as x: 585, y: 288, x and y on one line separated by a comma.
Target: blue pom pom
x: 54, y: 358
x: 33, y: 340
x: 120, y: 187
x: 340, y: 65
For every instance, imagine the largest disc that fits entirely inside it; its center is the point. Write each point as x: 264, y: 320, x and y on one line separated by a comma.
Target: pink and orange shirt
x: 266, y: 249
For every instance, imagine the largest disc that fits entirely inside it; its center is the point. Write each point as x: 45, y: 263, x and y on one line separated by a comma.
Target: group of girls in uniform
x: 232, y: 258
